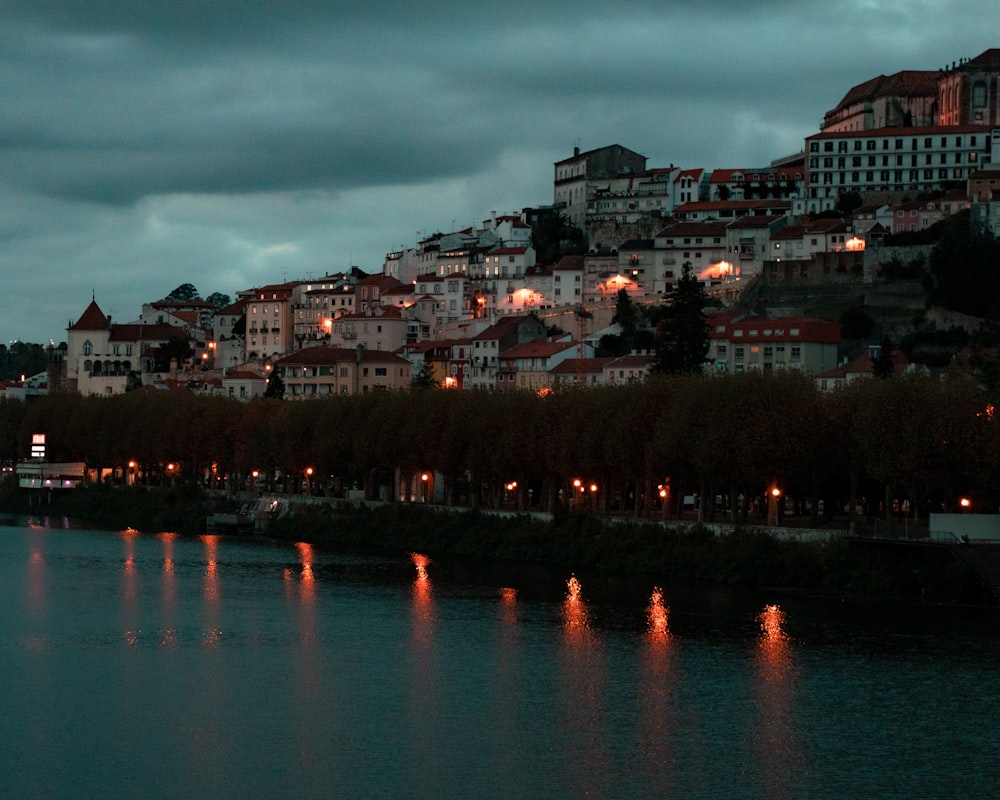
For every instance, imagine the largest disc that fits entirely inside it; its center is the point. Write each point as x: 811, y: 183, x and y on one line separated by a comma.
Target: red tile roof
x: 92, y: 319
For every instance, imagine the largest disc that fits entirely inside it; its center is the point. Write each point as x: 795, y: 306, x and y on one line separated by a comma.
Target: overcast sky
x: 235, y: 143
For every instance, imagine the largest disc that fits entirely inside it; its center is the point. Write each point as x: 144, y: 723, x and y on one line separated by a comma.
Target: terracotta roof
x: 574, y: 365
x: 758, y: 330
x: 540, y: 348
x: 136, y: 332
x: 233, y: 308
x: 632, y: 361
x: 989, y: 59
x: 863, y: 365
x: 92, y: 319
x: 502, y: 327
x: 243, y: 375
x: 507, y: 251
x: 384, y: 312
x: 924, y: 130
x: 689, y: 173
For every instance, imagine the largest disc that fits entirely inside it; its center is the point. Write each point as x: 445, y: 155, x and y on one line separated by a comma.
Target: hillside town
x: 484, y: 307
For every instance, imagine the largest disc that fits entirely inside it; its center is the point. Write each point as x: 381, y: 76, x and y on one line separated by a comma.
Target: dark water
x: 151, y: 666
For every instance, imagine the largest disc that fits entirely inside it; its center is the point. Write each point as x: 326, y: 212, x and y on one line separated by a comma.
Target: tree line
x: 910, y: 443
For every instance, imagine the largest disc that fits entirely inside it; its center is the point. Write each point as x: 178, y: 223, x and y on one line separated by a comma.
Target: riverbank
x: 746, y: 556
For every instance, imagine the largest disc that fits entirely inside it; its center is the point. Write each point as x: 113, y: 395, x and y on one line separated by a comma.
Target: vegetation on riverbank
x: 747, y: 557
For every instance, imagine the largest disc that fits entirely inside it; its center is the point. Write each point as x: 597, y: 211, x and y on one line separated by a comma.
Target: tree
x: 848, y: 202
x: 185, y: 291
x: 552, y: 237
x: 626, y: 314
x: 424, y: 379
x: 882, y: 366
x: 275, y: 387
x: 682, y: 329
x: 855, y: 323
x: 218, y: 300
x: 174, y: 349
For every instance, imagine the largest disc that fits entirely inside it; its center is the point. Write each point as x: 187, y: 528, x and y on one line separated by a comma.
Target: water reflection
x: 168, y: 635
x: 583, y: 675
x: 307, y: 585
x: 508, y: 604
x: 210, y: 592
x: 130, y: 589
x: 422, y: 587
x: 574, y: 609
x: 658, y: 724
x: 776, y: 744
x: 658, y: 617
x: 37, y: 589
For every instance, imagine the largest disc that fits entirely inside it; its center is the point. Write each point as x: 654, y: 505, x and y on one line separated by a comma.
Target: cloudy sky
x: 235, y: 143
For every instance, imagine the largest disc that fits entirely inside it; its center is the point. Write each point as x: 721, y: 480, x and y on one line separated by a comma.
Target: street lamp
x: 772, y: 506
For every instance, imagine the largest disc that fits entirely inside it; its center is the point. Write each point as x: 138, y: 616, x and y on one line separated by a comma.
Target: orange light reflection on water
x: 210, y: 592
x: 307, y: 589
x: 422, y: 583
x: 575, y: 617
x: 776, y: 739
x: 773, y: 639
x: 658, y: 616
x: 130, y: 588
x: 168, y: 636
x: 656, y: 750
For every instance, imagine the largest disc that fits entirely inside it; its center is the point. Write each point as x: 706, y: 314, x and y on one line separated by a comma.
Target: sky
x: 237, y: 143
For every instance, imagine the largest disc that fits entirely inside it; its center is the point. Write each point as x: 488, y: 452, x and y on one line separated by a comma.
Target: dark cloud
x: 252, y: 139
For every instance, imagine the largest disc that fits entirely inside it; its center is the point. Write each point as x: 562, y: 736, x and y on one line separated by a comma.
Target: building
x: 530, y: 366
x: 270, y: 320
x: 904, y: 99
x: 700, y: 245
x: 969, y: 92
x: 104, y: 358
x: 580, y: 177
x: 893, y: 160
x: 490, y: 344
x: 318, y: 371
x: 739, y: 343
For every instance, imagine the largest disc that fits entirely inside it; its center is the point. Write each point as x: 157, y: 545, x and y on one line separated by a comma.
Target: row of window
x: 771, y: 352
x: 872, y: 161
x: 888, y: 176
x: 841, y: 146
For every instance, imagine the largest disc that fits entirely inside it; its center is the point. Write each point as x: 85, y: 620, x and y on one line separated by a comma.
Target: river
x: 158, y: 665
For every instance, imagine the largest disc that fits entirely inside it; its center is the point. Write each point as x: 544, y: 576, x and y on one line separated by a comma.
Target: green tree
x: 177, y: 349
x: 552, y: 237
x: 218, y: 300
x: 424, y: 379
x: 185, y: 291
x: 682, y: 328
x: 856, y: 324
x: 275, y: 387
x: 882, y: 366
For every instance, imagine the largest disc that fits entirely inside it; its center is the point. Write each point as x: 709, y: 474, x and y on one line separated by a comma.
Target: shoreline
x: 750, y: 557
